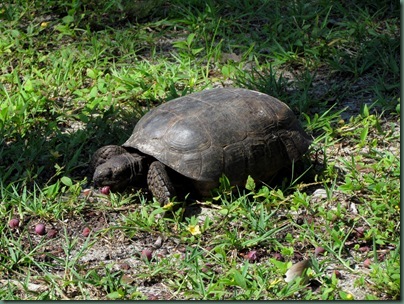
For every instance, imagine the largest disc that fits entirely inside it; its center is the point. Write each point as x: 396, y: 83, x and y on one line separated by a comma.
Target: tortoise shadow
x: 50, y: 149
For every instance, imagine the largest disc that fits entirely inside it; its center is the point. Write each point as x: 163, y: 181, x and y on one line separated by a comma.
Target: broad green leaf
x: 250, y: 184
x: 66, y: 181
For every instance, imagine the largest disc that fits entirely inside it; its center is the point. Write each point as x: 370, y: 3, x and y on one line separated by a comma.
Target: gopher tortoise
x: 193, y: 140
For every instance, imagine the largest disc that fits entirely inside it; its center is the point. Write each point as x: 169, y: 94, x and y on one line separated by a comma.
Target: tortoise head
x: 118, y: 172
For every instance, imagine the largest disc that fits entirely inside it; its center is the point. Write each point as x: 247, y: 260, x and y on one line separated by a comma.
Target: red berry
x: 277, y: 256
x: 147, y: 254
x: 87, y: 192
x: 40, y: 229
x: 105, y: 190
x: 319, y: 251
x: 52, y: 233
x: 124, y: 266
x: 360, y: 232
x: 86, y: 231
x: 251, y: 256
x: 367, y: 263
x: 13, y: 223
x: 381, y: 257
x: 364, y: 249
x: 338, y: 274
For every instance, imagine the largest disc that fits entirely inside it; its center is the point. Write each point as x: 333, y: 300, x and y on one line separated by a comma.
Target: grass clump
x: 78, y: 75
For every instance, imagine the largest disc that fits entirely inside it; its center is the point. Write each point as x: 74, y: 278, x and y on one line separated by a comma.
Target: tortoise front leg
x: 159, y: 182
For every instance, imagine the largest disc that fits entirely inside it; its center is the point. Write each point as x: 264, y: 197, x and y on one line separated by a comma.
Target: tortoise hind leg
x: 159, y: 182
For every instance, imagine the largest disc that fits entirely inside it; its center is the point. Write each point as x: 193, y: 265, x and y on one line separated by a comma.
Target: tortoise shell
x: 235, y: 132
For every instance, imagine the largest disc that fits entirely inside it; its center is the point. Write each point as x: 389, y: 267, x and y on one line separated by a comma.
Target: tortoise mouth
x: 108, y: 177
x: 113, y: 185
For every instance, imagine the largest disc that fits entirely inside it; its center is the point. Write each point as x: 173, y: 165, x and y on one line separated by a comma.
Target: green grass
x: 77, y: 75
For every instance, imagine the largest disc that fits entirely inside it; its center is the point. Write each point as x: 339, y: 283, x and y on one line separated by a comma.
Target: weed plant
x: 77, y: 75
